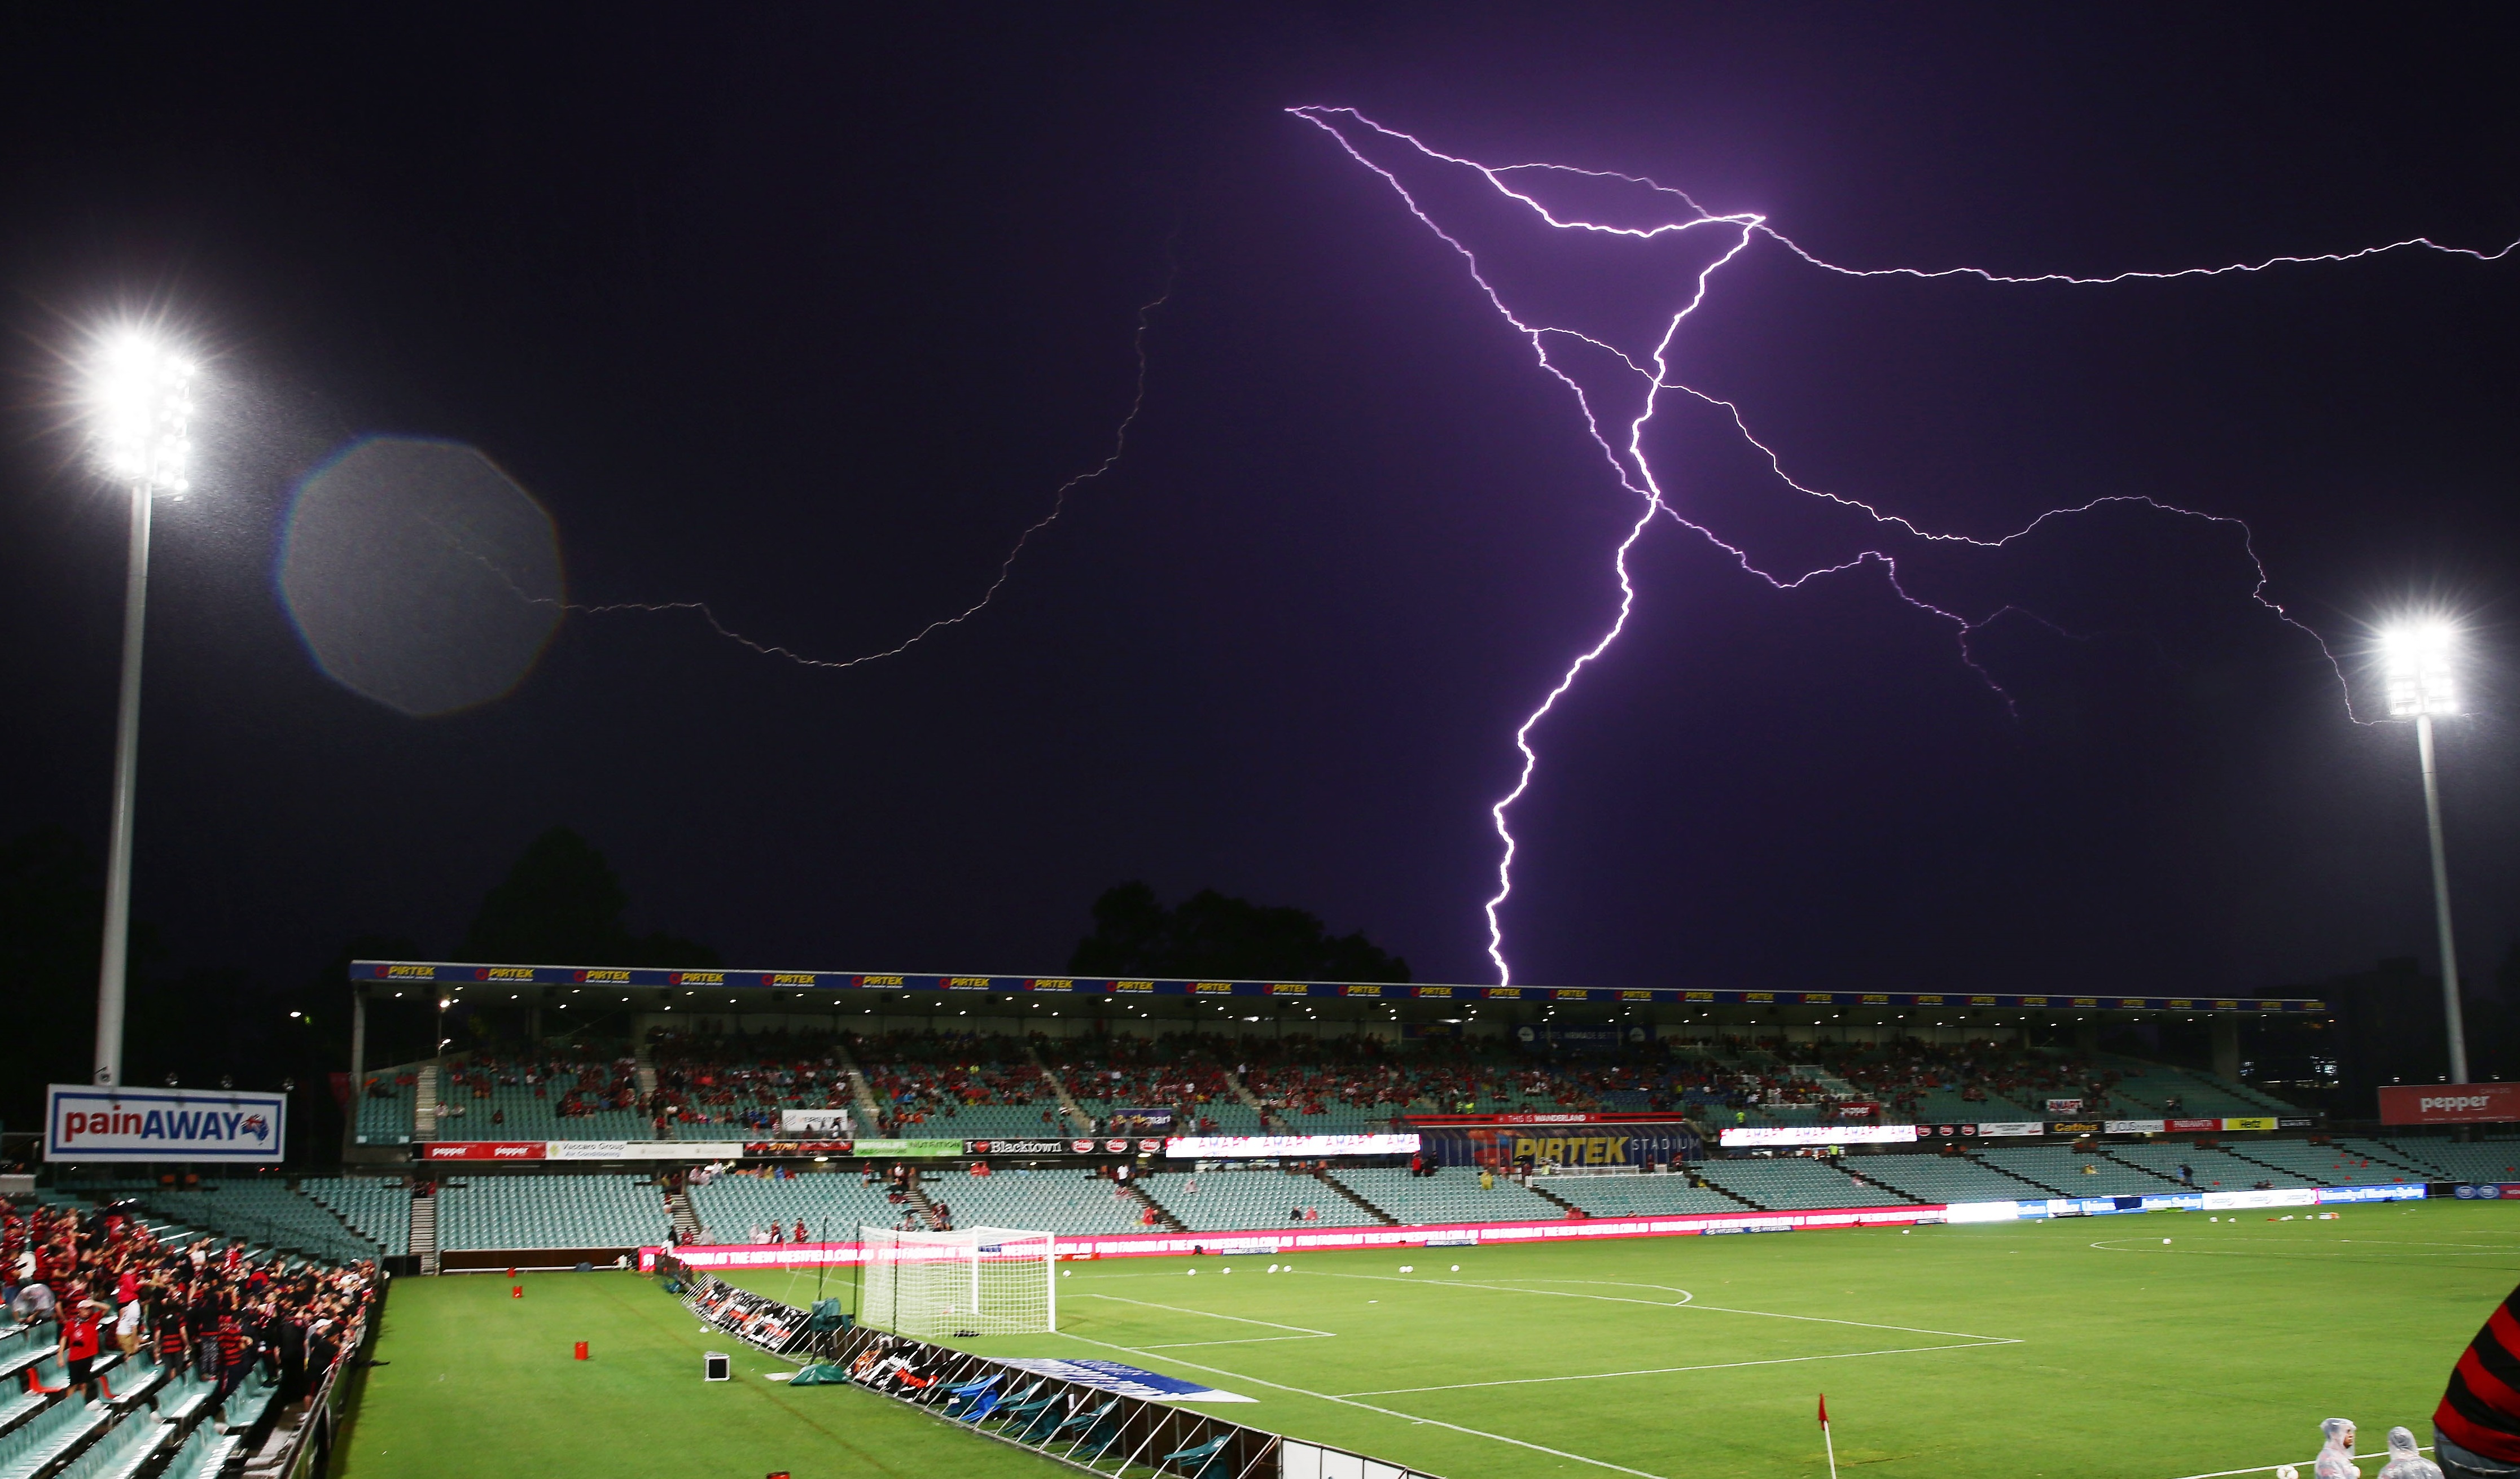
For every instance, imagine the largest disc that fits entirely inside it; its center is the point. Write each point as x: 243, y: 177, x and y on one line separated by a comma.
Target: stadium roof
x: 457, y: 973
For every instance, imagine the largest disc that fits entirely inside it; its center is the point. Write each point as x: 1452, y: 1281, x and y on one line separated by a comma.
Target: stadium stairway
x: 1350, y: 1193
x: 1877, y: 1182
x: 1242, y: 1092
x: 1067, y: 1105
x: 1163, y: 1214
x: 859, y: 1093
x: 921, y: 1204
x: 423, y: 1232
x: 687, y: 1222
x: 423, y: 1103
x: 643, y: 1073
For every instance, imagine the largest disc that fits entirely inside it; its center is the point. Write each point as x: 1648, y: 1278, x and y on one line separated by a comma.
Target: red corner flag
x: 1823, y: 1409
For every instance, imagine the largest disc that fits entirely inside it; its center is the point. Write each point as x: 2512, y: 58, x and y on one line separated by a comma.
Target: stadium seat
x: 2061, y: 1170
x: 1795, y: 1184
x: 123, y: 1453
x: 33, y: 1446
x: 561, y: 1211
x: 1943, y: 1179
x: 205, y: 1456
x: 1638, y: 1195
x: 1255, y: 1200
x: 1452, y: 1194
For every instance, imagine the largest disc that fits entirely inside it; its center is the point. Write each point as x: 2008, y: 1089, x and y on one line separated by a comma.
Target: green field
x: 2019, y: 1351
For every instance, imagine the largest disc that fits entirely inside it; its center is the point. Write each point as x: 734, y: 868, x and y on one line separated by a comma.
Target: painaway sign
x: 86, y: 1123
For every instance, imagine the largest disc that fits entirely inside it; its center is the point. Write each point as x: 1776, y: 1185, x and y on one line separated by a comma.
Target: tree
x: 1211, y: 936
x: 561, y: 905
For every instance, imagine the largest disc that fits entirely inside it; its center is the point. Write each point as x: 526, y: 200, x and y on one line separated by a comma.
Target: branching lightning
x: 1006, y: 567
x: 1363, y: 138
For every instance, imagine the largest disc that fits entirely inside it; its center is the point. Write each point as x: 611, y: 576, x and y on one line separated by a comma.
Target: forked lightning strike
x: 1359, y: 136
x: 1006, y: 567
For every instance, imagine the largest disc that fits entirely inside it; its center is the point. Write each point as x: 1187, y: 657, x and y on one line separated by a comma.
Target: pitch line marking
x: 1209, y: 1314
x: 1687, y: 1304
x: 1721, y: 1365
x: 1182, y: 1345
x: 1369, y: 1407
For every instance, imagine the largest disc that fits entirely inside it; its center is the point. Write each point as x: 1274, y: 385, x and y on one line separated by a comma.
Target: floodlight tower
x: 141, y: 406
x: 2415, y: 658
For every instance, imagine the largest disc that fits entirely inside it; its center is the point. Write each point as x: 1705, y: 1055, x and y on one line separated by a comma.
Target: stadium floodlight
x: 2415, y: 665
x: 139, y: 398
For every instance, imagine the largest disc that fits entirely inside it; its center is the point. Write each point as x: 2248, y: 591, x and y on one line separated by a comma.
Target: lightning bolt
x: 1575, y: 356
x: 1006, y: 567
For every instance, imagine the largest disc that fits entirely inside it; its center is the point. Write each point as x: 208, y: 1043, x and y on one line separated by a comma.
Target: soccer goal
x: 978, y: 1281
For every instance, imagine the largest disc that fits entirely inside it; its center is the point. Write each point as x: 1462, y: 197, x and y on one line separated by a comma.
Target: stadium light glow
x: 2415, y: 667
x: 138, y: 399
x: 139, y: 411
x: 2416, y: 662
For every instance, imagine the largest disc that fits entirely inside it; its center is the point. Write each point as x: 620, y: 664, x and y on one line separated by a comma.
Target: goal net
x: 976, y: 1281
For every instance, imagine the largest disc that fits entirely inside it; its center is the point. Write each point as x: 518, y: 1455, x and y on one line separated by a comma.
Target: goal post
x: 974, y: 1281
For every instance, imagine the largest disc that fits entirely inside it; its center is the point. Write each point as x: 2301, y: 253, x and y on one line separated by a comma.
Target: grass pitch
x: 2082, y: 1347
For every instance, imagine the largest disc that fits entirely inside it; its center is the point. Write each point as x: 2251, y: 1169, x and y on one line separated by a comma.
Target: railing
x: 308, y: 1448
x: 1089, y: 1427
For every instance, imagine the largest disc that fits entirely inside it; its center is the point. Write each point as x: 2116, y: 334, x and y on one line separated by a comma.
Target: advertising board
x: 481, y: 1150
x: 1505, y: 1147
x: 2449, y: 1104
x: 814, y: 1124
x: 84, y: 1123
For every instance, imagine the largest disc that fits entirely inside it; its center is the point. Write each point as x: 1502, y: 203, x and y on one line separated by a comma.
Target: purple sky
x: 809, y: 319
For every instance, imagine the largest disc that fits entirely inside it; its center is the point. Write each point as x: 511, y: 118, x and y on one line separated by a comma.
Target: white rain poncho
x: 2405, y: 1461
x: 2336, y: 1458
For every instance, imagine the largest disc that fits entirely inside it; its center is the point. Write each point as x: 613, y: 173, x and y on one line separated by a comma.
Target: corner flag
x: 1826, y: 1437
x: 1823, y: 1409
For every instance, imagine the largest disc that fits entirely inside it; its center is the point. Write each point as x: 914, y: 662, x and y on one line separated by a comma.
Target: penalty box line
x: 1369, y: 1407
x: 1149, y: 1303
x: 1721, y: 1365
x: 1689, y: 1303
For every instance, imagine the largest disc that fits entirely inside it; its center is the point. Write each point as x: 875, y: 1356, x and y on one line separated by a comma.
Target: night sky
x: 807, y: 313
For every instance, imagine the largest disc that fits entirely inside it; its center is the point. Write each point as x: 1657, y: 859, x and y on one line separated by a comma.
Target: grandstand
x: 733, y: 1206
x: 1790, y: 1184
x: 1065, y: 1202
x: 2066, y: 1171
x: 1944, y: 1178
x: 375, y: 1209
x: 2332, y: 1165
x: 499, y: 1213
x: 1251, y: 1200
x: 2491, y: 1160
x: 1450, y: 1193
x: 2214, y: 1169
x: 1635, y: 1195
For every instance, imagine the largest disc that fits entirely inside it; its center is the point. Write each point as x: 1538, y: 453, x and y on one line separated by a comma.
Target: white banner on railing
x: 1233, y: 1147
x: 1819, y: 1135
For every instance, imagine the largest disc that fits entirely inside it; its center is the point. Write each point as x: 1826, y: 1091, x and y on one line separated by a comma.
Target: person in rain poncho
x: 2336, y: 1458
x: 2405, y: 1461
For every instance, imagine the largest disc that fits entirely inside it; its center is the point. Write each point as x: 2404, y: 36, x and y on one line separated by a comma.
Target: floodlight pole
x: 114, y: 962
x: 2451, y: 1018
